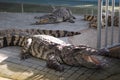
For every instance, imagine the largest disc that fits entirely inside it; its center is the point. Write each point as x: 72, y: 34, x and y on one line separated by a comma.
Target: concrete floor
x: 34, y: 69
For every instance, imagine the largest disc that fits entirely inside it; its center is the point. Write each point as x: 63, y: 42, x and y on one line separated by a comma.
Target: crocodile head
x: 90, y: 61
x: 81, y: 56
x: 84, y: 56
x: 48, y: 19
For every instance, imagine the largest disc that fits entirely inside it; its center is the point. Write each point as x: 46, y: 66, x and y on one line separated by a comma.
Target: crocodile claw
x: 24, y: 56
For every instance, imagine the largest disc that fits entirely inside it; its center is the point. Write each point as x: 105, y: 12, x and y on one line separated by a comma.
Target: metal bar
x: 22, y: 8
x: 114, y: 45
x: 112, y: 21
x: 119, y: 23
x: 101, y: 11
x: 99, y: 24
x: 106, y: 23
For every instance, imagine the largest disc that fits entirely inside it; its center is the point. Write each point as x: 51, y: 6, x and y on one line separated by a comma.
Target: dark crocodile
x: 93, y: 20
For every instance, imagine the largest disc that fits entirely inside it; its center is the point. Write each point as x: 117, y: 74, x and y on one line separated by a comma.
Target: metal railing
x: 112, y: 44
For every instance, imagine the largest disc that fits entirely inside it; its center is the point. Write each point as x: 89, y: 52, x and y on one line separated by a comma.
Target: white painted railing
x: 100, y: 4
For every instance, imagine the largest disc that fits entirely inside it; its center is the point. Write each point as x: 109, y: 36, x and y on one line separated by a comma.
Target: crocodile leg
x: 54, y: 64
x: 24, y: 56
x: 71, y: 21
x: 68, y: 20
x: 25, y: 50
x: 24, y: 53
x: 73, y: 17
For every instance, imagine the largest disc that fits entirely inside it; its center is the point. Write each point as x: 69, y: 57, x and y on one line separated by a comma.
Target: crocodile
x: 61, y: 14
x: 55, y: 51
x: 93, y: 20
x: 55, y: 33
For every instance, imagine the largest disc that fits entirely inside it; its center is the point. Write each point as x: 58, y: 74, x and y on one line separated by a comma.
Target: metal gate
x: 112, y: 44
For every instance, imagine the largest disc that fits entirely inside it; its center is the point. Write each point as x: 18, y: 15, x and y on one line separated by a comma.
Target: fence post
x: 112, y: 22
x: 99, y: 24
x: 119, y: 23
x: 22, y: 7
x: 106, y: 23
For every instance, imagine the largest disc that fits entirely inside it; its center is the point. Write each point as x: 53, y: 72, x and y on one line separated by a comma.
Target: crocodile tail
x: 59, y: 33
x: 89, y: 17
x: 55, y: 33
x: 13, y: 40
x: 10, y: 31
x: 116, y: 21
